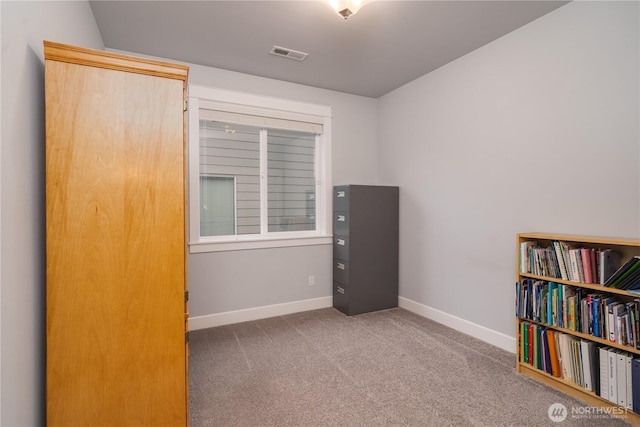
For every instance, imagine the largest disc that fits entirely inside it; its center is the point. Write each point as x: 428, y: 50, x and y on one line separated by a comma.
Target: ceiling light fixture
x: 346, y: 8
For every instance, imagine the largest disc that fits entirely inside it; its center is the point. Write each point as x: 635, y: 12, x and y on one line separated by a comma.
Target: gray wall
x: 537, y: 131
x: 462, y: 142
x: 219, y: 282
x: 24, y: 26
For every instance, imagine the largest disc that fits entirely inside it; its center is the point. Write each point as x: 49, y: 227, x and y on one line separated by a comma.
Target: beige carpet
x: 388, y: 368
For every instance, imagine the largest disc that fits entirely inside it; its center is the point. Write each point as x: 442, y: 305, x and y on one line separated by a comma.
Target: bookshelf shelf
x: 594, y: 286
x: 555, y: 308
x: 574, y: 390
x: 586, y: 336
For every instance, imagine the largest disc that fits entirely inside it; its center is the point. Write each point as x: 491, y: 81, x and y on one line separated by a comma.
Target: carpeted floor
x: 388, y: 368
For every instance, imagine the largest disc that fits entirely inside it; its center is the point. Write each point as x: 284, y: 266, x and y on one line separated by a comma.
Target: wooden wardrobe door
x: 115, y: 248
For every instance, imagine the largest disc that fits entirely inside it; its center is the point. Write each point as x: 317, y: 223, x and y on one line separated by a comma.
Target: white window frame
x: 245, y: 103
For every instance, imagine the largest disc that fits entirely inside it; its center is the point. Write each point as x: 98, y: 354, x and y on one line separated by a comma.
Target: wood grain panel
x: 115, y: 61
x: 115, y: 248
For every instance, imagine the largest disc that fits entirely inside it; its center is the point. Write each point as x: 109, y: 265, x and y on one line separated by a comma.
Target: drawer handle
x: 340, y: 266
x: 340, y: 194
x: 340, y: 290
x: 340, y: 242
x: 341, y: 218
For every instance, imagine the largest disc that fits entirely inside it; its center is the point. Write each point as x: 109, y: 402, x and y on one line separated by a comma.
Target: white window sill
x: 247, y: 244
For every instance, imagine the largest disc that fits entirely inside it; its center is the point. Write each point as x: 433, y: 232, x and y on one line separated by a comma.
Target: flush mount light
x: 346, y: 8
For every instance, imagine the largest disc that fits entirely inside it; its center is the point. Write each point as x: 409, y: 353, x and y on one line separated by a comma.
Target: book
x: 604, y: 372
x: 565, y: 356
x: 562, y: 262
x: 553, y: 353
x: 608, y: 263
x: 623, y: 272
x: 546, y: 358
x: 552, y: 293
x: 627, y: 273
x: 612, y: 375
x: 615, y: 328
x: 560, y: 306
x: 585, y: 256
x: 635, y: 385
x: 611, y: 333
x: 596, y: 313
x: 585, y: 326
x: 621, y: 380
x: 631, y: 281
x: 631, y: 309
x: 627, y: 330
x: 587, y: 369
x: 636, y: 314
x: 572, y: 313
x: 525, y: 256
x: 523, y: 342
x: 579, y: 264
x: 577, y: 362
x: 594, y: 266
x: 574, y: 274
x: 629, y: 400
x: 531, y: 343
x: 594, y: 360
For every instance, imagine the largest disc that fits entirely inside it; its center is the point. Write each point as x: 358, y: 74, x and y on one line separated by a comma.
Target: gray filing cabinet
x: 365, y: 248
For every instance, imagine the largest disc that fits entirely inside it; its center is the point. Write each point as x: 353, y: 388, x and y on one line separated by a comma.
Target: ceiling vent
x: 288, y: 53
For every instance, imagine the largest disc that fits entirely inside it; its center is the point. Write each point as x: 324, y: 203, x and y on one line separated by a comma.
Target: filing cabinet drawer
x: 341, y: 198
x: 341, y: 271
x: 341, y: 223
x: 340, y: 297
x: 341, y: 247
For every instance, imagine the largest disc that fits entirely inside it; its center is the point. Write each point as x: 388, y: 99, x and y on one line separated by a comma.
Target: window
x: 217, y: 205
x: 258, y: 171
x: 291, y: 180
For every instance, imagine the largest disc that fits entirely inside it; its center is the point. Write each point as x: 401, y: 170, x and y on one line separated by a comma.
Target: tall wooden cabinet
x: 115, y: 207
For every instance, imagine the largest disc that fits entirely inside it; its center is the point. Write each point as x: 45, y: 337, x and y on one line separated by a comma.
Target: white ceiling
x: 382, y: 47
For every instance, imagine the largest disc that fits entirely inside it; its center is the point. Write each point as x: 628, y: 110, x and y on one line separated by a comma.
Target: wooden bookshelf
x: 628, y: 248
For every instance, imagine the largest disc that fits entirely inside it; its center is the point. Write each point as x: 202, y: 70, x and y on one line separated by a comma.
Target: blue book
x: 547, y: 354
x: 595, y: 308
x: 631, y: 282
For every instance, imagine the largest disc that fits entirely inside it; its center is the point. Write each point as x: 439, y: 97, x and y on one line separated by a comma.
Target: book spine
x: 621, y: 380
x: 635, y: 385
x: 561, y: 260
x: 628, y: 382
x: 613, y: 376
x: 604, y: 372
x: 585, y: 256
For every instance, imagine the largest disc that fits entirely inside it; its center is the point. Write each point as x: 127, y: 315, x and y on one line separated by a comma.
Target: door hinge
x: 186, y: 297
x: 186, y: 337
x: 184, y: 106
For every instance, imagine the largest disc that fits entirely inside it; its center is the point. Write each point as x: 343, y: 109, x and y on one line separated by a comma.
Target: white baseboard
x: 255, y: 313
x: 490, y: 336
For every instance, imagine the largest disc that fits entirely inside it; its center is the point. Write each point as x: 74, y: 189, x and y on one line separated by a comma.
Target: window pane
x: 217, y: 206
x: 232, y: 151
x: 292, y: 181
